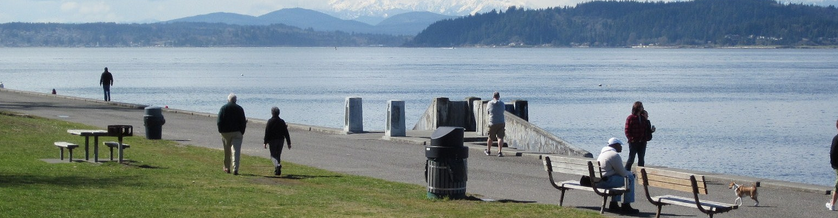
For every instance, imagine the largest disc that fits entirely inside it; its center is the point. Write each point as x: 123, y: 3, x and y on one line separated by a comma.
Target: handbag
x: 649, y: 130
x: 585, y: 181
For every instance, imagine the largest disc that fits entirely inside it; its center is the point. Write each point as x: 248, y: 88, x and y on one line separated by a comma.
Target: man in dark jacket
x: 276, y: 133
x: 106, y: 81
x: 231, y: 125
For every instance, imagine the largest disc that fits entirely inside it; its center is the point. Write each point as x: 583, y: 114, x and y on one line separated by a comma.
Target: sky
x: 139, y: 11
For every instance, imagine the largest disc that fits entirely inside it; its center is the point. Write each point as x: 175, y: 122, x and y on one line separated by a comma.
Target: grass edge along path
x: 166, y: 179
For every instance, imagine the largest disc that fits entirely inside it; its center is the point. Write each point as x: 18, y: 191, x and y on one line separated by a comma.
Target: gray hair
x: 496, y: 95
x: 231, y: 98
x: 275, y: 111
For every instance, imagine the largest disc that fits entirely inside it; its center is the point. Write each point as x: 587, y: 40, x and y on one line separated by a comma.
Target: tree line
x: 180, y: 35
x: 697, y: 23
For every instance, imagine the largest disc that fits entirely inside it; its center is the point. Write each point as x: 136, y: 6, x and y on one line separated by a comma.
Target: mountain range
x: 410, y: 23
x: 373, y: 11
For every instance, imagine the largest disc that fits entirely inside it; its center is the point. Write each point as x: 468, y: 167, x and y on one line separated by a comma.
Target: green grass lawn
x: 165, y: 179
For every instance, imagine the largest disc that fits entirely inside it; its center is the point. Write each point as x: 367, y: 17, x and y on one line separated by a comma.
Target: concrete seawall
x: 524, y: 135
x: 520, y: 133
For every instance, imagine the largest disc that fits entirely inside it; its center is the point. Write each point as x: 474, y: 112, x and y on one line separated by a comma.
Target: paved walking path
x: 518, y: 176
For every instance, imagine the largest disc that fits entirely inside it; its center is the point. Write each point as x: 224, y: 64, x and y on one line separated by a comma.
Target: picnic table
x: 87, y: 133
x: 113, y: 130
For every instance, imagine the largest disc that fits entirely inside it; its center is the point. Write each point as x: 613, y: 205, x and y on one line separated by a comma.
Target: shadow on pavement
x: 473, y: 198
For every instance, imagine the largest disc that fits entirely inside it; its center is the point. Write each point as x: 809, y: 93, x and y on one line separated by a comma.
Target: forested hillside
x: 698, y: 23
x: 179, y: 35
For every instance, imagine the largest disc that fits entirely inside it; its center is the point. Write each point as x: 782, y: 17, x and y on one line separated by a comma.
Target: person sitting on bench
x: 614, y: 176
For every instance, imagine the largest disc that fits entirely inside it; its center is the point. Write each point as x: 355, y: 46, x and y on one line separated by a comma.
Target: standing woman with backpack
x: 638, y: 131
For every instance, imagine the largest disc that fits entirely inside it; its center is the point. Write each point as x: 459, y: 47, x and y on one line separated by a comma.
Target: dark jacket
x: 231, y: 118
x: 833, y: 153
x: 106, y: 79
x: 276, y: 129
x: 635, y: 129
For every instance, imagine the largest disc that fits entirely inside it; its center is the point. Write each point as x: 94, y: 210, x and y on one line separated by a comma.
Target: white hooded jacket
x: 611, y: 163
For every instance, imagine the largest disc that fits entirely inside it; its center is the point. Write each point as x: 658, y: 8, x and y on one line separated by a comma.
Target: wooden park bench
x: 679, y: 181
x: 579, y: 167
x: 113, y: 145
x: 68, y: 146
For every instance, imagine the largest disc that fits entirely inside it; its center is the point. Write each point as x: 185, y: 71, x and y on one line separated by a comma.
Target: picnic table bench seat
x: 112, y: 145
x: 68, y: 146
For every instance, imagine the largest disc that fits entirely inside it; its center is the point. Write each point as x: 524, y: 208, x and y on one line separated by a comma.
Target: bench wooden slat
x: 567, y: 165
x: 673, y: 180
x: 577, y: 170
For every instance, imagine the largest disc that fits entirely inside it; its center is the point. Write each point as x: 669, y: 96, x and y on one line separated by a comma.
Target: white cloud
x: 95, y: 8
x: 86, y: 11
x: 69, y: 6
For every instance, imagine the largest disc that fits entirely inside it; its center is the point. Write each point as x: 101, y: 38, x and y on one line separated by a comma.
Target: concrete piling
x: 354, y: 116
x: 395, y: 119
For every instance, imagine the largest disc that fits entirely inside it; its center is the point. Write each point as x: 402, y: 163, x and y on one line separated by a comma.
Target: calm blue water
x: 762, y: 113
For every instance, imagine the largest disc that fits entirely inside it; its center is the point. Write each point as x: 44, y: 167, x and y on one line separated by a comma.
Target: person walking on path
x: 497, y: 124
x: 833, y: 160
x: 231, y: 125
x: 636, y: 135
x: 106, y: 81
x: 614, y: 175
x: 276, y: 133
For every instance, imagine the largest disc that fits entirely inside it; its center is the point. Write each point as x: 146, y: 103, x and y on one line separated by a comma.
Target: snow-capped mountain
x: 352, y: 9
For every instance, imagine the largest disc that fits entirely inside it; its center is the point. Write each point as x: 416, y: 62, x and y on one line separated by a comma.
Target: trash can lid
x: 154, y: 111
x: 448, y: 136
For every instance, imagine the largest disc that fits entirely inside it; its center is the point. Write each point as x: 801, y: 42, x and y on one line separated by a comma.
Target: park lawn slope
x: 165, y: 179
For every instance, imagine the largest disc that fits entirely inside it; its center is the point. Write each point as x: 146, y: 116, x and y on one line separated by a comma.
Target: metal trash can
x: 153, y: 121
x: 446, y: 169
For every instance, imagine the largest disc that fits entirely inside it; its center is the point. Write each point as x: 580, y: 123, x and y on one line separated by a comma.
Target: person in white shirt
x: 614, y: 175
x: 497, y: 124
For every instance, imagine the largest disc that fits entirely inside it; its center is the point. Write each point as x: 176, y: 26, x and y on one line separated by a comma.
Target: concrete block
x: 395, y: 119
x: 354, y: 116
x: 479, y: 109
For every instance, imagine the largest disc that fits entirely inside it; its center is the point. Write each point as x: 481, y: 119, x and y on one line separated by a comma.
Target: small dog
x: 744, y: 190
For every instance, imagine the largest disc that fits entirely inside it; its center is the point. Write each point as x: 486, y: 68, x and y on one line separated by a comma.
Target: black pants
x: 639, y: 149
x: 276, y: 150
